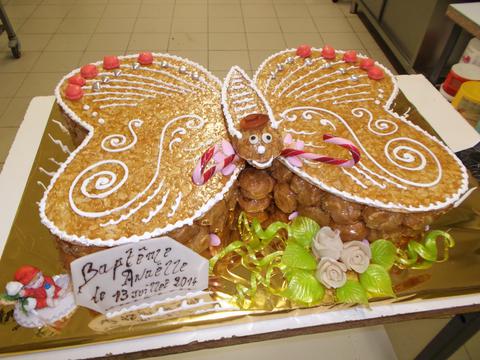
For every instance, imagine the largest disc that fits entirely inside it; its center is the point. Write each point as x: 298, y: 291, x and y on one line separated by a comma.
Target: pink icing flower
x: 375, y: 73
x: 145, y: 58
x: 111, y: 62
x: 350, y: 56
x: 215, y: 240
x: 366, y: 63
x: 89, y: 71
x: 73, y: 92
x: 77, y: 80
x: 304, y: 51
x: 293, y: 215
x: 328, y: 52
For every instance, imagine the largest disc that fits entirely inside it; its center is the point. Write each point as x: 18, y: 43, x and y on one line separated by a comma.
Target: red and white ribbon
x: 224, y: 158
x: 294, y: 154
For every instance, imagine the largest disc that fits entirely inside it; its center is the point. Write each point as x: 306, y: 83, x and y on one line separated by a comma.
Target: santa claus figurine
x: 41, y: 291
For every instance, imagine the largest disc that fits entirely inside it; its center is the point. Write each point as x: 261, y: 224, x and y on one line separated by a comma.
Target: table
x: 420, y: 93
x: 465, y: 16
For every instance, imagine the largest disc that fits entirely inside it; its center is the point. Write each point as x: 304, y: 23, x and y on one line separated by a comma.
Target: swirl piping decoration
x: 407, y: 154
x: 192, y: 122
x: 381, y: 127
x: 118, y: 142
x: 105, y: 183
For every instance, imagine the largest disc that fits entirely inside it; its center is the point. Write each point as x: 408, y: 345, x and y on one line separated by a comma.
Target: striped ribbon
x: 330, y: 139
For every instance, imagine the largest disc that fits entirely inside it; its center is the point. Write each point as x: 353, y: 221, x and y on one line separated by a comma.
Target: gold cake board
x: 30, y: 242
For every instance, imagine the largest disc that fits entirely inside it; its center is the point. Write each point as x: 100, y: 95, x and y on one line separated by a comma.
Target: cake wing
x: 401, y: 168
x: 131, y: 177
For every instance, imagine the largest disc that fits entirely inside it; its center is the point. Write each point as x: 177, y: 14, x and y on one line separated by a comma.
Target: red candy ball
x: 111, y: 62
x: 350, y: 56
x: 145, y: 58
x: 77, y: 80
x: 328, y: 52
x: 304, y: 51
x: 375, y: 73
x: 89, y: 71
x: 73, y: 92
x: 366, y: 63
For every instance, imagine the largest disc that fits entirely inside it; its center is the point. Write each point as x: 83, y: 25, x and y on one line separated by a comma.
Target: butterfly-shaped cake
x: 170, y: 149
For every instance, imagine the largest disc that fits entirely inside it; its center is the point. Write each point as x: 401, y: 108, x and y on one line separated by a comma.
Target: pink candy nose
x: 261, y: 149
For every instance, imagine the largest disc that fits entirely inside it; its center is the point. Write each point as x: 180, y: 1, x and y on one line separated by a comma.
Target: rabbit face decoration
x: 260, y: 142
x: 155, y: 120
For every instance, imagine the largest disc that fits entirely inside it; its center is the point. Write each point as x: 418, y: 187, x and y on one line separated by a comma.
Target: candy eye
x: 267, y: 138
x: 253, y: 139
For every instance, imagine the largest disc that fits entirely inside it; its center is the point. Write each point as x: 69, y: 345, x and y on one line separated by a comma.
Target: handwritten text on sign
x: 139, y: 273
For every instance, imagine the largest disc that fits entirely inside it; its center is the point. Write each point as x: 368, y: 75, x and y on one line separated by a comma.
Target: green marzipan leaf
x: 302, y: 230
x: 376, y: 281
x: 383, y: 253
x: 352, y: 293
x: 296, y: 256
x: 303, y: 287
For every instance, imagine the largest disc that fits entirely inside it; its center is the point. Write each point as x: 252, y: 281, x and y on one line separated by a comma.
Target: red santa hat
x: 26, y: 273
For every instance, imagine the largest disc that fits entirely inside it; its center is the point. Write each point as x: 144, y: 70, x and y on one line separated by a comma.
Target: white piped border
x: 135, y: 238
x: 365, y: 200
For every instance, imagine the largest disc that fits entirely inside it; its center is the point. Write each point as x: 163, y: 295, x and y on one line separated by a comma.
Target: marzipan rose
x: 327, y: 243
x: 356, y: 255
x: 331, y: 273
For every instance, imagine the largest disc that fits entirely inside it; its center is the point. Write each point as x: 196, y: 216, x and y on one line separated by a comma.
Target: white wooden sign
x: 144, y: 272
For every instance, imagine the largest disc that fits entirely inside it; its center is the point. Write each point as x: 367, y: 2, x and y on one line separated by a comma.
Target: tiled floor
x: 410, y: 337
x: 59, y: 35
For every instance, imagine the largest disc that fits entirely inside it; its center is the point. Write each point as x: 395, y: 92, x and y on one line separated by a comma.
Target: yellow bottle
x: 467, y: 102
